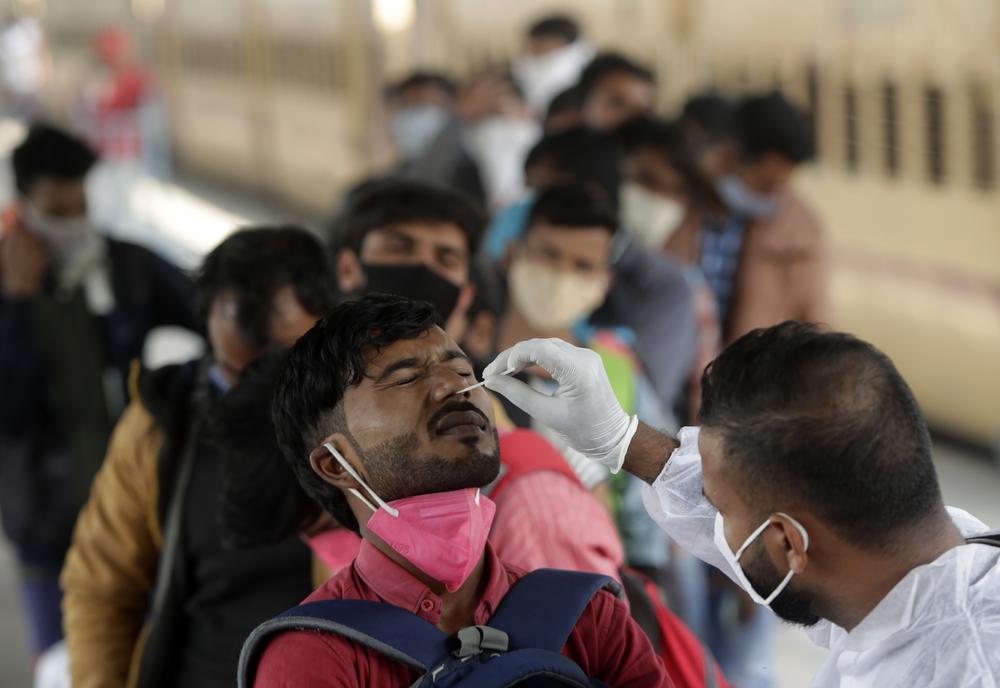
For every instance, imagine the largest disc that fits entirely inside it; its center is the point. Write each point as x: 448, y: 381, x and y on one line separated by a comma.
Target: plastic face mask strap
x: 755, y: 534
x: 354, y: 474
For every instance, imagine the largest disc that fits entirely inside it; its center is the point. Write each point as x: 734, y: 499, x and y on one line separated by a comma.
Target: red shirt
x: 547, y: 520
x: 606, y: 643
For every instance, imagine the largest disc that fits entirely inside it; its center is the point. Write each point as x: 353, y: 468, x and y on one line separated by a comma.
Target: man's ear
x: 458, y: 323
x: 481, y: 335
x: 326, y: 466
x: 350, y: 274
x: 794, y: 547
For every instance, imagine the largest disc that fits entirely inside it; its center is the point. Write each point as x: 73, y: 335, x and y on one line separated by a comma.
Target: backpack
x: 688, y: 661
x: 990, y: 537
x: 521, y: 646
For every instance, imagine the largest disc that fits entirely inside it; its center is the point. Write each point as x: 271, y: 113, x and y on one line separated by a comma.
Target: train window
x: 890, y: 128
x: 812, y: 96
x: 934, y: 129
x: 851, y: 129
x: 983, y: 142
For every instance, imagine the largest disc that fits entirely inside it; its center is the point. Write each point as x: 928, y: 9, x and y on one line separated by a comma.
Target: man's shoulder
x: 311, y: 657
x: 795, y: 229
x: 166, y: 391
x: 121, y: 250
x: 342, y: 585
x: 294, y: 658
x: 136, y: 263
x: 639, y: 267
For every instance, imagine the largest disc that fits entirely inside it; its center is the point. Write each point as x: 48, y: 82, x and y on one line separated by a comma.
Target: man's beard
x: 396, y: 472
x: 794, y: 606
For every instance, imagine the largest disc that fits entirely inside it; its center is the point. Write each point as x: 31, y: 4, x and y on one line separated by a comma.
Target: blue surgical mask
x: 415, y: 128
x: 743, y: 200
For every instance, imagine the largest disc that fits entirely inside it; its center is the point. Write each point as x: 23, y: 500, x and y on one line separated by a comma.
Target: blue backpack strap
x: 542, y: 608
x: 392, y: 632
x: 990, y: 537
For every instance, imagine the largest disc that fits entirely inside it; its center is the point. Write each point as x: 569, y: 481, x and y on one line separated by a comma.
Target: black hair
x: 669, y: 141
x: 711, y: 115
x: 567, y: 100
x: 571, y: 206
x: 824, y: 421
x: 321, y: 366
x: 556, y: 25
x: 261, y: 502
x: 48, y: 151
x: 420, y: 80
x: 584, y: 155
x: 336, y: 229
x: 255, y: 263
x: 398, y: 200
x: 610, y: 63
x: 770, y: 124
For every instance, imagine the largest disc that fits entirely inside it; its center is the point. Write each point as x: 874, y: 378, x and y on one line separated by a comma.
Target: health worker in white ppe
x: 810, y: 484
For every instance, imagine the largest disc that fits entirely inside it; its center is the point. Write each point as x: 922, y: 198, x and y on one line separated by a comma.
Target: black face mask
x: 415, y: 282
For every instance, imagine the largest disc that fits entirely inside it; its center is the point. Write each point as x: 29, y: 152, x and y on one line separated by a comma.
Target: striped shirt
x: 721, y: 246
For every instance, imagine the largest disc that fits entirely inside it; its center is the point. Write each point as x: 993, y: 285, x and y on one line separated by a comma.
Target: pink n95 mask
x: 443, y: 533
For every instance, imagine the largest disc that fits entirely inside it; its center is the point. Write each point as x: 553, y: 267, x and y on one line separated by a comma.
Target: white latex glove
x: 583, y: 411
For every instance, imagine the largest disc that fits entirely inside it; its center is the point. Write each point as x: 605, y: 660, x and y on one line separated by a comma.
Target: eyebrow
x: 455, y: 354
x: 414, y: 362
x: 448, y: 248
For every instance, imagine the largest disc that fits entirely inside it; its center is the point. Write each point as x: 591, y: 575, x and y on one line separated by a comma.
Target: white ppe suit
x: 938, y: 627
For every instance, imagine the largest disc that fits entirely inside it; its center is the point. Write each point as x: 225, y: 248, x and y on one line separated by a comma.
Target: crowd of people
x: 329, y: 496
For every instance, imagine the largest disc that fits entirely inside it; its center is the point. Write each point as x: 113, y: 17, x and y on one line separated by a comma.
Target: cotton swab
x: 509, y: 371
x: 471, y: 387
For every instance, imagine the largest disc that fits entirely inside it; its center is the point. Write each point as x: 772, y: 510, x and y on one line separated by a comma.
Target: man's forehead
x: 432, y: 344
x: 446, y: 234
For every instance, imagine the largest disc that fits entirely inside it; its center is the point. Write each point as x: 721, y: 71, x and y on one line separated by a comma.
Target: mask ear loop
x: 750, y: 538
x: 805, y: 546
x: 354, y: 474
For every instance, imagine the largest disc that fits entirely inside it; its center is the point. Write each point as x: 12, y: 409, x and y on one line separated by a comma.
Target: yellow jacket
x: 110, y: 570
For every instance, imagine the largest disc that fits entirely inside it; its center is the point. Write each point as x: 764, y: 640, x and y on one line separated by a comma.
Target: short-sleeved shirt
x: 606, y: 643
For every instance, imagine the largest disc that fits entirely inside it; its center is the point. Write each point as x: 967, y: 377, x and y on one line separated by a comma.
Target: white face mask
x: 63, y: 235
x: 415, y: 128
x: 543, y: 77
x: 648, y: 216
x: 78, y: 253
x: 733, y: 558
x: 499, y: 144
x: 551, y: 299
x: 743, y: 200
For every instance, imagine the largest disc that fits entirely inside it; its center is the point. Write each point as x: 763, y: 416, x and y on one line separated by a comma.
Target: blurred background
x: 254, y: 110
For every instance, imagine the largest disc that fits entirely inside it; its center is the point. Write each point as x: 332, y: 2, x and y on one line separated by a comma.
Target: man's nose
x: 446, y: 383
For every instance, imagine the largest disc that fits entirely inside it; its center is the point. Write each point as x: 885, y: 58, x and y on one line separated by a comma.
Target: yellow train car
x: 283, y: 96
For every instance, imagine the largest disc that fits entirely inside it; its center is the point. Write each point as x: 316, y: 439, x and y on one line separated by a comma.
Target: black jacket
x: 41, y: 485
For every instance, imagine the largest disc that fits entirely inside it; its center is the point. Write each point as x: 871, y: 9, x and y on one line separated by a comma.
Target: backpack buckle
x: 475, y: 640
